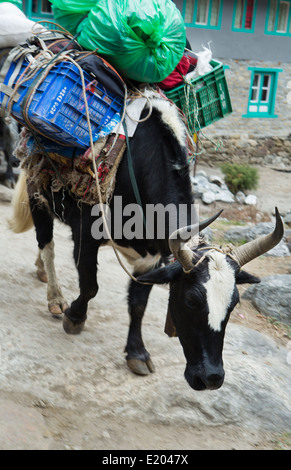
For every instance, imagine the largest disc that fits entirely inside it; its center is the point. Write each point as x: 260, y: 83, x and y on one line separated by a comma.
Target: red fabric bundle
x: 176, y: 77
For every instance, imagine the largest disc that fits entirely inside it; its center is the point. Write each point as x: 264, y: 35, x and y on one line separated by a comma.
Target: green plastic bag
x: 68, y: 20
x: 143, y: 39
x: 18, y: 3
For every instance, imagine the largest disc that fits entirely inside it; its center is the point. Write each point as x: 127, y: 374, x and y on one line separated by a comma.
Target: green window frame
x: 278, y: 19
x: 38, y: 9
x: 244, y: 16
x: 203, y: 13
x: 262, y: 94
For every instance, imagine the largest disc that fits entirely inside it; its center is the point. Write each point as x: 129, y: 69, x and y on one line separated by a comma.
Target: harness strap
x: 7, y: 90
x: 132, y: 174
x: 17, y: 53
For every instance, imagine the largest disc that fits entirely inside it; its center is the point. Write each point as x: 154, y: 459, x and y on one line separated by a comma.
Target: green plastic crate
x: 205, y: 99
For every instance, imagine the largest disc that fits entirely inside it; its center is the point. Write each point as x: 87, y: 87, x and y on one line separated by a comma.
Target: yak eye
x: 193, y: 300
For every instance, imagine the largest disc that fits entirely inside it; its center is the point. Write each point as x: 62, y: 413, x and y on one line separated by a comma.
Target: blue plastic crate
x: 58, y: 109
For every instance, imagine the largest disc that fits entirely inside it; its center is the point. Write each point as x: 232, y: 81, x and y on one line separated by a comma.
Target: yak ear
x: 162, y: 275
x: 246, y: 278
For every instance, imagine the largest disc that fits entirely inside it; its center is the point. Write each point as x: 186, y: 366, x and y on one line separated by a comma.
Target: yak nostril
x: 201, y: 380
x: 214, y: 381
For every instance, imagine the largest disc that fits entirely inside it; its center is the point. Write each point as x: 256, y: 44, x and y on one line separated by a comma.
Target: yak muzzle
x: 209, y: 378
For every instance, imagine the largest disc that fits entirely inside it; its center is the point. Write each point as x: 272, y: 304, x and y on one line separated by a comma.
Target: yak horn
x: 178, y: 242
x: 251, y: 250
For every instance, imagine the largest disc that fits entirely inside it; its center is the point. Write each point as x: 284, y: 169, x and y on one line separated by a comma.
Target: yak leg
x: 44, y: 233
x: 40, y: 270
x: 56, y: 302
x: 138, y: 359
x: 86, y: 260
x: 10, y: 136
x: 9, y: 175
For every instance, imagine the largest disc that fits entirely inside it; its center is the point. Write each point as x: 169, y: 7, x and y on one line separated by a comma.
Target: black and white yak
x: 202, y: 280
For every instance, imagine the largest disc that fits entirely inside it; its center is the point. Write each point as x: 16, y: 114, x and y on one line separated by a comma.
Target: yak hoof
x: 72, y: 328
x: 57, y: 307
x: 140, y: 367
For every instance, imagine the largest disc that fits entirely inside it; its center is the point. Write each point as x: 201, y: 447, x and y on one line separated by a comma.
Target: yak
x: 202, y: 279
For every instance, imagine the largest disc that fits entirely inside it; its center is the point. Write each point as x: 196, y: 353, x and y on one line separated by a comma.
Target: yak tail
x: 21, y: 220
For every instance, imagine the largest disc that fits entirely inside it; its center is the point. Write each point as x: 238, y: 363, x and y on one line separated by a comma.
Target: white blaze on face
x: 219, y: 289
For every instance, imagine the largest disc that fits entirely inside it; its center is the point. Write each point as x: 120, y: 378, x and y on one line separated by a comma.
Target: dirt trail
x: 64, y: 392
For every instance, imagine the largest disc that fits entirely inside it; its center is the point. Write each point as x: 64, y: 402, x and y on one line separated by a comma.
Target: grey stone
x: 251, y: 200
x: 211, y: 189
x: 208, y: 197
x: 216, y: 180
x: 224, y: 196
x: 22, y: 428
x: 236, y: 234
x: 208, y: 234
x: 272, y: 297
x: 250, y: 232
x: 240, y: 197
x: 279, y: 250
x: 201, y: 173
x: 239, y: 234
x: 87, y: 375
x: 287, y: 219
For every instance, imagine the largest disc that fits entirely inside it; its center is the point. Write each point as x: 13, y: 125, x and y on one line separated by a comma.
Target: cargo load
x: 143, y: 39
x: 14, y: 26
x: 56, y: 96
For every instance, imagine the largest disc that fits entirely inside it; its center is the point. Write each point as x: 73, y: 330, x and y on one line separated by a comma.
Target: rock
x: 272, y: 297
x: 256, y: 374
x: 200, y: 183
x: 22, y: 428
x: 208, y: 197
x: 269, y: 159
x: 279, y: 250
x: 216, y: 180
x: 249, y: 232
x: 208, y: 234
x: 212, y: 189
x: 287, y: 238
x: 287, y: 219
x: 84, y: 378
x: 236, y: 234
x: 260, y: 364
x: 251, y: 200
x: 246, y: 234
x: 240, y: 197
x: 224, y: 196
x: 201, y: 173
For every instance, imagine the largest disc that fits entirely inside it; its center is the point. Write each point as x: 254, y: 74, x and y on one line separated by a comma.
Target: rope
x: 46, y: 61
x: 132, y: 175
x: 113, y: 244
x: 26, y: 75
x: 227, y: 250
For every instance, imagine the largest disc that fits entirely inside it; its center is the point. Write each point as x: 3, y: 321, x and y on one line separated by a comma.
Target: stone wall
x: 248, y: 149
x: 251, y: 140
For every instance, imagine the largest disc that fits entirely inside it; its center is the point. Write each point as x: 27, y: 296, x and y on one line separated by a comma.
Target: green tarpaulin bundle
x: 143, y: 39
x: 18, y: 3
